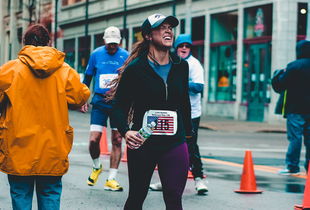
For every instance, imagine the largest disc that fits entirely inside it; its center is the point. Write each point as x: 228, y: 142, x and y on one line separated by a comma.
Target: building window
x: 69, y: 2
x: 198, y: 37
x: 222, y: 74
x: 137, y: 35
x: 84, y: 52
x: 98, y: 40
x: 302, y: 20
x: 69, y: 49
x: 258, y: 21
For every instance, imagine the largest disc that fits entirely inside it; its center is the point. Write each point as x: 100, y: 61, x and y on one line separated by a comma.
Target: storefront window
x: 84, y: 52
x: 198, y: 37
x: 222, y: 83
x: 137, y: 35
x: 69, y: 49
x: 222, y: 74
x: 98, y: 40
x: 258, y: 21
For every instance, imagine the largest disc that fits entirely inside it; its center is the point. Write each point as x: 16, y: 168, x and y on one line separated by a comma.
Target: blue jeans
x: 48, y: 190
x: 298, y: 127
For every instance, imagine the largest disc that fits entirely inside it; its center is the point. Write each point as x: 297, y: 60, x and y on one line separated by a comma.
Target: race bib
x: 105, y: 80
x: 166, y: 120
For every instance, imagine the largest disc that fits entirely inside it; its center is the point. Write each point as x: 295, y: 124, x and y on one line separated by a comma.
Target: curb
x: 214, y: 128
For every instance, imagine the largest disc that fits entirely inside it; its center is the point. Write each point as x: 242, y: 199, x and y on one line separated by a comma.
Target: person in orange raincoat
x: 36, y: 91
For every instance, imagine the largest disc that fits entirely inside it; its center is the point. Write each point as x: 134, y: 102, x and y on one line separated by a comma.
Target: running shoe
x: 156, y: 186
x: 288, y: 172
x: 92, y: 179
x: 112, y: 185
x: 200, y: 186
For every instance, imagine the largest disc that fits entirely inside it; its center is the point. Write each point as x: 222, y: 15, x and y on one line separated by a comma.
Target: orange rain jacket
x: 35, y: 92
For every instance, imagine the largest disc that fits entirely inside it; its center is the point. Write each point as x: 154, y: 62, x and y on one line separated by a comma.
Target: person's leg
x: 48, y: 189
x: 307, y: 140
x: 295, y: 125
x: 116, y: 149
x: 98, y: 121
x: 172, y: 169
x: 193, y: 150
x: 115, y: 157
x: 21, y: 189
x: 141, y: 165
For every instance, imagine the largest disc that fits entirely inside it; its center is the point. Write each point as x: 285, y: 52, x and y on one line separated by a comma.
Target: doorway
x: 257, y: 77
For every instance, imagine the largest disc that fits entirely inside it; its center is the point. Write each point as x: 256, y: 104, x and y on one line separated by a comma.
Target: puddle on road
x: 282, y: 187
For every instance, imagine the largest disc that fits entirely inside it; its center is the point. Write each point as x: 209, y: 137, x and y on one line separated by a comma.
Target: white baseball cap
x: 155, y: 20
x: 112, y: 35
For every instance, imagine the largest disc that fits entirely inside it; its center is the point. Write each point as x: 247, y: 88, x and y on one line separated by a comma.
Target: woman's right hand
x: 133, y: 139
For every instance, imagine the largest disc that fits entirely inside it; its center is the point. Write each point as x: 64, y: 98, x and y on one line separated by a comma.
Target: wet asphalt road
x: 222, y: 153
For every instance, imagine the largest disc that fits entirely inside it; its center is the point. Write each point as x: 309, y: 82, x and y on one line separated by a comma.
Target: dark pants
x: 298, y: 127
x: 48, y: 190
x: 193, y: 150
x: 172, y: 169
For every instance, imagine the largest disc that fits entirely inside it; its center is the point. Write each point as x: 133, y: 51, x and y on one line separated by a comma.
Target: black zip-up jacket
x: 296, y: 80
x: 141, y: 87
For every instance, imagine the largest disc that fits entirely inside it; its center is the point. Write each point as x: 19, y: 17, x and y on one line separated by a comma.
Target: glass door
x: 258, y: 76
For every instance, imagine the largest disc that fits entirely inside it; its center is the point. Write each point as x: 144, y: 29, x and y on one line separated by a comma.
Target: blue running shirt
x: 104, y: 67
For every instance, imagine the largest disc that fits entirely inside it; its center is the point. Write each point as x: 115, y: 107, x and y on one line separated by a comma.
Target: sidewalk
x: 231, y: 125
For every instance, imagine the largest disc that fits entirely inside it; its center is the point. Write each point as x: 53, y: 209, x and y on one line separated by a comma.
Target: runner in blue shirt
x: 103, y: 66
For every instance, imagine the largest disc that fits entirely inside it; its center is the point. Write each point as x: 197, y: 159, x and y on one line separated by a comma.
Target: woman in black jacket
x: 153, y: 86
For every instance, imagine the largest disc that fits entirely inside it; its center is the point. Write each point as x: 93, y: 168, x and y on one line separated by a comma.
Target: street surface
x: 222, y: 153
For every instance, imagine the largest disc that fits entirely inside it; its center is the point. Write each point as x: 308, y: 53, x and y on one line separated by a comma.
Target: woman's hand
x: 133, y: 139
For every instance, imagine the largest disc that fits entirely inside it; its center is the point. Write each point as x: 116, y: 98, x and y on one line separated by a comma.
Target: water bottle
x: 147, y: 130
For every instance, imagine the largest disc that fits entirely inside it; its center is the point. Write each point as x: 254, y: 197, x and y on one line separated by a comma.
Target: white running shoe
x: 200, y: 186
x: 156, y: 186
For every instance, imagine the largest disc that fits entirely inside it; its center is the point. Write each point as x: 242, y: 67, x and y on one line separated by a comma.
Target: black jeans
x: 193, y: 150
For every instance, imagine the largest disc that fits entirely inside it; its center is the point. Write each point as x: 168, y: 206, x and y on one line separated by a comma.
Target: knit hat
x: 183, y: 38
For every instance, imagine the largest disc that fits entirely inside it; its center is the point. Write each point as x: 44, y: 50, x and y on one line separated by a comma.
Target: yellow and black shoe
x: 112, y: 185
x: 92, y: 179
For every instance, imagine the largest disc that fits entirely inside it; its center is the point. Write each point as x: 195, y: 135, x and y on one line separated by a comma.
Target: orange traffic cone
x: 306, y: 202
x: 124, y: 158
x: 248, y: 181
x: 104, y: 149
x: 190, y: 175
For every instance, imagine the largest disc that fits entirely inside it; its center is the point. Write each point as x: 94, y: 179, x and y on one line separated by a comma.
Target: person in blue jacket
x: 103, y: 65
x: 153, y: 86
x: 294, y: 79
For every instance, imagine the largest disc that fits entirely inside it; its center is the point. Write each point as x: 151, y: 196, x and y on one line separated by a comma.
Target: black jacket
x: 296, y: 80
x: 141, y: 87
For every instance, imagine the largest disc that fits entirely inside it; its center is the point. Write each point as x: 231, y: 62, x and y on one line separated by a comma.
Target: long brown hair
x: 139, y: 48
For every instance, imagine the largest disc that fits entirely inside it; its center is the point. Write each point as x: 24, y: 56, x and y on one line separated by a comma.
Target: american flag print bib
x: 166, y: 121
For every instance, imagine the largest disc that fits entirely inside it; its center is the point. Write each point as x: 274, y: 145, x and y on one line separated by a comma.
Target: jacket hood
x: 42, y: 61
x: 303, y: 49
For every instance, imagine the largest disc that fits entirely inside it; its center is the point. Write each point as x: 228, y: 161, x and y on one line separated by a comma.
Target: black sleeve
x: 87, y: 79
x: 276, y: 85
x: 282, y: 79
x: 186, y: 106
x: 123, y: 101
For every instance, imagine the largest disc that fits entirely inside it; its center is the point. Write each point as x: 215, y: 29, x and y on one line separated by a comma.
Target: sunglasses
x: 184, y: 45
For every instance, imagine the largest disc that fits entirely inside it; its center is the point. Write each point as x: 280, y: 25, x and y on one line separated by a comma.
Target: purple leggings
x: 172, y: 168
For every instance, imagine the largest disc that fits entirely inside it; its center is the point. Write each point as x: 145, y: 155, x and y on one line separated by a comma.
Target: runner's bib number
x: 105, y: 80
x: 167, y: 123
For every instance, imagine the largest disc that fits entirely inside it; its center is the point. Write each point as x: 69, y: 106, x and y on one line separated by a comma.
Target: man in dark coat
x: 295, y: 79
